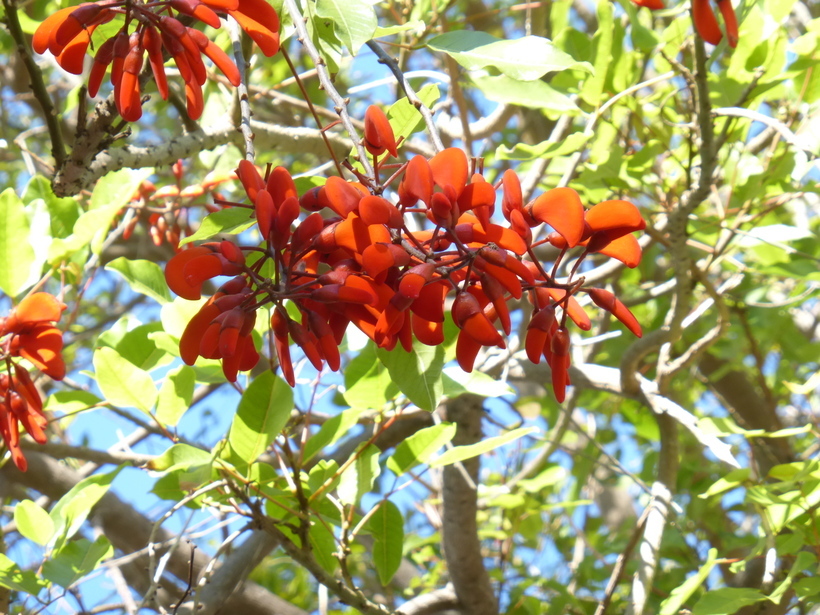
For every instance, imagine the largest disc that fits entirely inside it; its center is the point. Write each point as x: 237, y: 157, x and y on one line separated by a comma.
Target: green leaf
x: 386, y: 525
x: 545, y: 149
x: 226, y: 221
x: 417, y: 373
x: 33, y: 522
x: 733, y: 479
x: 532, y: 94
x: 683, y: 592
x: 460, y: 453
x: 262, y: 414
x: 416, y: 26
x: 368, y: 384
x: 63, y: 212
x: 91, y: 228
x: 593, y: 88
x: 17, y: 259
x: 419, y: 447
x: 118, y: 188
x: 22, y: 581
x: 354, y: 20
x: 726, y: 600
x: 333, y: 429
x: 143, y: 276
x: 359, y: 477
x: 180, y: 457
x: 69, y: 402
x: 74, y: 507
x: 404, y: 118
x: 526, y: 59
x: 323, y: 546
x: 457, y: 382
x: 175, y: 395
x: 75, y: 560
x: 122, y: 382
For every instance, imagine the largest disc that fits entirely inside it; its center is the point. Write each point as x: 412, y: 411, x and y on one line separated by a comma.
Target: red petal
x: 417, y: 183
x: 561, y: 208
x: 175, y: 277
x: 705, y: 22
x: 378, y: 134
x: 466, y: 351
x: 625, y: 249
x: 251, y: 179
x: 42, y: 348
x: 48, y: 27
x: 428, y: 333
x: 450, y: 168
x: 264, y: 33
x: 608, y: 301
x: 35, y: 309
x: 729, y: 20
x: 611, y: 215
x: 513, y: 197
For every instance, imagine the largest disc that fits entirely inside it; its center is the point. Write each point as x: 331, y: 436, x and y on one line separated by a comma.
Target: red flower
x: 28, y: 332
x: 67, y: 34
x: 706, y: 23
x: 361, y: 264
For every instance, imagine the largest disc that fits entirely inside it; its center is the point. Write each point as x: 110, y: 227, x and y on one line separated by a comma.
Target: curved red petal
x: 450, y: 168
x: 561, y: 208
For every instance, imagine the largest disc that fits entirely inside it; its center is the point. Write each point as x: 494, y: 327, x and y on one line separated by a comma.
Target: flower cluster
x: 157, y: 30
x: 165, y: 210
x: 28, y: 332
x: 344, y: 253
x: 706, y: 23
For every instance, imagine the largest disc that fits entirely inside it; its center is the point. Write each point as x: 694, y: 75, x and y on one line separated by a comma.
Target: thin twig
x: 414, y: 99
x: 242, y: 90
x: 340, y: 104
x: 38, y: 86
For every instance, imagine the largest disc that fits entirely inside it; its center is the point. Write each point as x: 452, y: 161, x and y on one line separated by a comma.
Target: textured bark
x: 462, y: 548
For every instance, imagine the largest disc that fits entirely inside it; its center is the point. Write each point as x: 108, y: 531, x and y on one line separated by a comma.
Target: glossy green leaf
x: 727, y: 600
x: 545, y: 149
x: 73, y: 508
x: 419, y: 447
x: 533, y: 94
x: 16, y: 254
x: 180, y: 456
x: 386, y: 525
x: 417, y: 373
x: 404, y: 118
x: 359, y: 477
x: 354, y: 20
x: 593, y: 88
x: 368, y: 384
x: 527, y: 58
x: 175, y: 394
x: 263, y: 411
x: 123, y: 383
x: 19, y: 580
x: 143, y: 276
x: 330, y: 432
x: 75, y: 560
x: 460, y: 453
x: 33, y: 522
x: 457, y: 382
x: 672, y: 604
x: 226, y: 221
x: 63, y: 212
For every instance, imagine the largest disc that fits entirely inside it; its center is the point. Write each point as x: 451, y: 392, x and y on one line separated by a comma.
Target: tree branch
x: 462, y: 547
